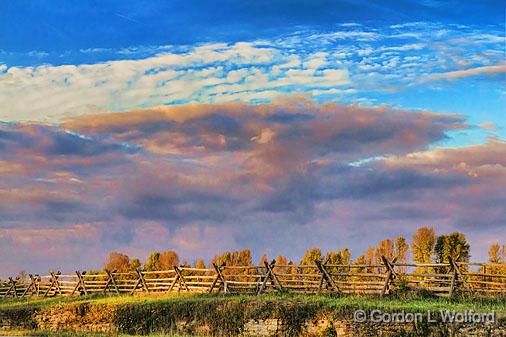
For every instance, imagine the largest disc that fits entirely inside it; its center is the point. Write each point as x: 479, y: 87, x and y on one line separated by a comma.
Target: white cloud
x: 358, y: 61
x: 317, y: 60
x: 213, y: 73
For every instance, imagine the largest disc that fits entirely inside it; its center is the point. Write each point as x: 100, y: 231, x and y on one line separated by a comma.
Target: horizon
x: 273, y: 126
x: 374, y: 252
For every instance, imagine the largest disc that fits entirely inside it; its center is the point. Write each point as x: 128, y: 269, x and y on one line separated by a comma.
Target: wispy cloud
x: 494, y: 70
x: 341, y: 66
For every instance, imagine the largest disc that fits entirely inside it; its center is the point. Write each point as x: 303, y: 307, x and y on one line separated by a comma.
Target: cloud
x: 486, y: 70
x: 213, y: 72
x: 474, y: 161
x: 347, y: 130
x: 331, y: 66
x: 41, y: 148
x: 481, y: 169
x: 488, y: 125
x: 233, y: 170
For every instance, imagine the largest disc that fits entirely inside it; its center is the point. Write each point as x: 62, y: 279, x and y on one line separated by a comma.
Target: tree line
x: 425, y: 247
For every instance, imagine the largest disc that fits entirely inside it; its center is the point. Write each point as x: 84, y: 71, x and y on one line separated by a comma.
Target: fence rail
x: 443, y: 279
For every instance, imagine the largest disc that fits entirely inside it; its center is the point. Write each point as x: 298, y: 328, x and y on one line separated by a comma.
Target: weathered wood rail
x: 443, y: 279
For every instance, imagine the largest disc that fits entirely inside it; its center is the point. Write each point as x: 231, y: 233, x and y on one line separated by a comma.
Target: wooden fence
x: 444, y: 279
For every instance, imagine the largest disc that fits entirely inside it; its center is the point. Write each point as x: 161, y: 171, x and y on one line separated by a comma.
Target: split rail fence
x: 443, y: 279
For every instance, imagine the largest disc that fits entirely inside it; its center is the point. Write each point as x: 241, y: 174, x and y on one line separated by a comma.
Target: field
x: 147, y: 314
x: 409, y: 303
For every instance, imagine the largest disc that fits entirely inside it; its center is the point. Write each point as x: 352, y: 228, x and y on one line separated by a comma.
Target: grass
x: 226, y: 315
x: 412, y: 304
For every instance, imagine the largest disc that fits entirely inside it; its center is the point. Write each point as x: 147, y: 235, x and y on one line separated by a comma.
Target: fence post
x: 80, y: 284
x: 390, y: 274
x: 454, y: 269
x: 181, y: 279
x: 264, y: 281
x: 12, y: 287
x: 219, y: 277
x: 140, y: 281
x: 110, y: 280
x: 83, y: 282
x: 269, y: 275
x: 37, y: 279
x: 54, y: 283
x: 325, y: 276
x: 273, y: 276
x: 143, y: 281
x: 32, y: 283
x: 57, y: 283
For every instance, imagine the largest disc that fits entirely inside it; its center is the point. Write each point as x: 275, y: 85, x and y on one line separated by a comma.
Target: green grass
x: 413, y: 304
x: 226, y: 315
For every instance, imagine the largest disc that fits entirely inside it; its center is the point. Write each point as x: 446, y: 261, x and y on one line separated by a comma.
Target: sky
x: 274, y: 125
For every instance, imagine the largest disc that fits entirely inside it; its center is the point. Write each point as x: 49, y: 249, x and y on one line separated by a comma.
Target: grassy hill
x: 224, y: 315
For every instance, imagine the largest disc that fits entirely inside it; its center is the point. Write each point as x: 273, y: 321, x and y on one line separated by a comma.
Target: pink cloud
x: 485, y: 70
x: 203, y: 178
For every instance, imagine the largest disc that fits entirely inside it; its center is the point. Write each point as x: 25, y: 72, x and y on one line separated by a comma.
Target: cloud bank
x: 275, y: 177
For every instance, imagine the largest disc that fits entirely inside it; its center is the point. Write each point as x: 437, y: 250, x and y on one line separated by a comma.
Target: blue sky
x: 199, y: 124
x: 72, y: 25
x: 444, y: 35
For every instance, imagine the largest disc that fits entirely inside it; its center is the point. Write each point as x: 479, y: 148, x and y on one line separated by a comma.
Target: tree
x: 341, y: 258
x: 200, y: 264
x: 453, y: 245
x: 369, y: 256
x: 497, y: 253
x: 135, y: 264
x: 283, y: 262
x: 346, y: 256
x: 117, y: 262
x: 244, y: 258
x: 152, y: 262
x: 161, y: 261
x: 401, y: 249
x: 369, y: 259
x: 497, y: 259
x: 361, y: 260
x: 263, y: 259
x: 235, y: 258
x: 422, y: 244
x: 385, y: 248
x: 310, y: 256
x: 167, y: 260
x: 292, y: 270
x: 338, y: 257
